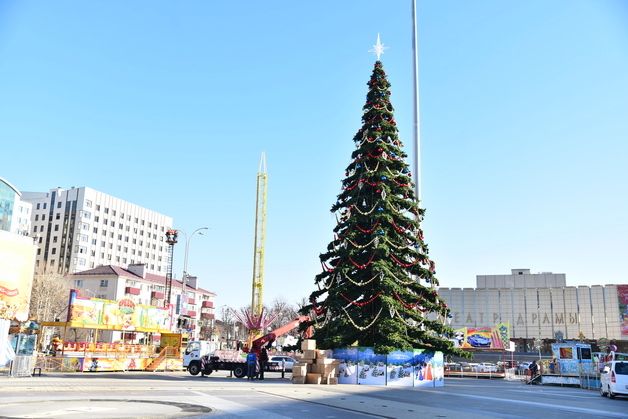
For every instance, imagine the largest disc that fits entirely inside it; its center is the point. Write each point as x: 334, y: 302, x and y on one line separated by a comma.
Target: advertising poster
x: 371, y: 367
x: 93, y: 313
x: 622, y: 296
x: 423, y: 369
x: 399, y: 368
x: 497, y: 337
x: 348, y: 368
x: 17, y: 259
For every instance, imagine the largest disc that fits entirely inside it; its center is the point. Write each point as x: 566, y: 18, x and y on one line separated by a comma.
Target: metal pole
x: 417, y: 129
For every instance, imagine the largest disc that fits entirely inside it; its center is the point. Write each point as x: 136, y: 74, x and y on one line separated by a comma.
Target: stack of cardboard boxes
x: 315, y: 367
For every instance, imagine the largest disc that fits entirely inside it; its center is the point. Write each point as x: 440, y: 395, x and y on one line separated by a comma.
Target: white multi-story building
x: 80, y: 228
x: 15, y: 214
x: 193, y: 311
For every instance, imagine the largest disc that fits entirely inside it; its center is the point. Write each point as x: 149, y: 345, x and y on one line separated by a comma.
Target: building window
x: 102, y: 244
x: 56, y: 227
x: 97, y: 207
x: 38, y: 252
x: 94, y: 241
x: 58, y: 216
x: 114, y: 213
x: 95, y: 230
x: 119, y: 236
x: 44, y: 205
x: 88, y: 203
x: 106, y: 210
x: 113, y: 223
x: 78, y: 283
x: 111, y: 235
x: 54, y: 250
x: 41, y: 228
x: 54, y: 239
x: 123, y: 260
x: 59, y: 204
x: 119, y: 248
x: 52, y: 262
x: 40, y: 239
x: 38, y: 205
x: 117, y: 258
x: 34, y: 229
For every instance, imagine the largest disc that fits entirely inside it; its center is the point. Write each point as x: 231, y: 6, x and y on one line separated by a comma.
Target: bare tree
x: 284, y: 312
x: 49, y: 296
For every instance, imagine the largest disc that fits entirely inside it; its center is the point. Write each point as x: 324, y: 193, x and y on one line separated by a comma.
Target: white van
x: 614, y: 379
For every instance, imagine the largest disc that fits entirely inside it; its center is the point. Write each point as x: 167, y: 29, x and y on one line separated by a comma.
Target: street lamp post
x: 185, y: 264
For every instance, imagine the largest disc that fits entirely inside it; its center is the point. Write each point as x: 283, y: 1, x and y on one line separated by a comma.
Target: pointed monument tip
x: 262, y: 163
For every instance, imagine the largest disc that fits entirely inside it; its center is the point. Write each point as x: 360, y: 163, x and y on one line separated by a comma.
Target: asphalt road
x: 177, y: 394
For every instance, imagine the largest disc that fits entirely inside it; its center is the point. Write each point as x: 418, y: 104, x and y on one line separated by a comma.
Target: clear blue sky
x: 524, y: 116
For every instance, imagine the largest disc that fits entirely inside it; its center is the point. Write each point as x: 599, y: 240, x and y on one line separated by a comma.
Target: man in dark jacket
x: 263, y: 360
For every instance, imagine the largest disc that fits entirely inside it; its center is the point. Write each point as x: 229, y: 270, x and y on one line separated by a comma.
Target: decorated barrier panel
x: 417, y: 368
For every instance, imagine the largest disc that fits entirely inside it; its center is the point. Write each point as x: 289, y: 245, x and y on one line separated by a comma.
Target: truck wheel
x: 239, y: 371
x: 194, y: 368
x: 208, y: 372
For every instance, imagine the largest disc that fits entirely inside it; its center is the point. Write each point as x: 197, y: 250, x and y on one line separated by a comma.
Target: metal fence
x: 22, y: 366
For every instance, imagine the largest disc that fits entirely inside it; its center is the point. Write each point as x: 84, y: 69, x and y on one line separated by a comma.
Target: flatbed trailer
x: 209, y: 364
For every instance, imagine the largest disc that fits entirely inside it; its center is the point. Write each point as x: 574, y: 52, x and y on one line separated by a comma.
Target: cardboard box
x: 298, y: 380
x: 309, y: 354
x: 312, y: 378
x: 308, y: 345
x: 320, y: 354
x: 300, y: 371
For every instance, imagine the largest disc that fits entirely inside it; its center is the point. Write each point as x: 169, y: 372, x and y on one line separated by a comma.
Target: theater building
x: 540, y: 305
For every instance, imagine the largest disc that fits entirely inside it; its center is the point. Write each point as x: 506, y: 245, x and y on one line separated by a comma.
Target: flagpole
x: 417, y: 128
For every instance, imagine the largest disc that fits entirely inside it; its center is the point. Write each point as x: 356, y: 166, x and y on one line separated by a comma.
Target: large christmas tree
x: 377, y: 287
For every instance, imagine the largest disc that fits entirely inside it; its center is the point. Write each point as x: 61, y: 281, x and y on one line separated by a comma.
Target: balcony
x: 158, y: 295
x: 207, y: 316
x: 207, y: 304
x: 191, y: 313
x: 191, y: 301
x: 132, y: 291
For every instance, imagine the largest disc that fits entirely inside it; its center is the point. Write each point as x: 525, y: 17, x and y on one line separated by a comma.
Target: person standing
x: 251, y: 365
x: 263, y: 360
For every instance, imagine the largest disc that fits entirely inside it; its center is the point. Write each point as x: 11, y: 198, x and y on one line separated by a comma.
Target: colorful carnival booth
x: 108, y: 335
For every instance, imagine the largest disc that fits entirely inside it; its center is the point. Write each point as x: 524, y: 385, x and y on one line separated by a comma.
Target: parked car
x: 614, y: 379
x: 523, y: 367
x: 485, y: 367
x: 275, y: 362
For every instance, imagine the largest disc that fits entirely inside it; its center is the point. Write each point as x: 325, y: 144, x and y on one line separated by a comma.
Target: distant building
x: 538, y: 305
x: 193, y: 308
x: 80, y: 228
x: 15, y: 214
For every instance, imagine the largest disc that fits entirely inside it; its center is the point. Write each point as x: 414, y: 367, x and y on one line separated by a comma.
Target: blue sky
x: 170, y: 104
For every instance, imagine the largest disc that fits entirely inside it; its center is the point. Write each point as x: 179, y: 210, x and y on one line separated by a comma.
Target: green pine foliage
x: 368, y: 293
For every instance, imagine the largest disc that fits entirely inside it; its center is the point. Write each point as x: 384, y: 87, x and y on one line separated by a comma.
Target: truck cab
x: 194, y: 351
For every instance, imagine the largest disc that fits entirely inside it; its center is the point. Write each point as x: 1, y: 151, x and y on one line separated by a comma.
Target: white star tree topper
x: 378, y: 48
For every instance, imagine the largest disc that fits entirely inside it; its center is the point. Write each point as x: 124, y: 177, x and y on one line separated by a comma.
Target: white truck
x: 202, y: 357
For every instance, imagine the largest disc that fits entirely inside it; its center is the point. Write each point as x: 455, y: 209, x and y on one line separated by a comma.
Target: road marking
x: 539, y: 404
x: 220, y: 405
